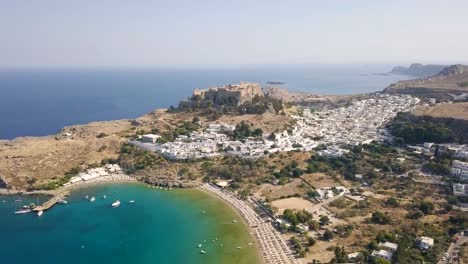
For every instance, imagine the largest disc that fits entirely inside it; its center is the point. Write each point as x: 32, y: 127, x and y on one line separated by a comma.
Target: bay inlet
x: 157, y: 227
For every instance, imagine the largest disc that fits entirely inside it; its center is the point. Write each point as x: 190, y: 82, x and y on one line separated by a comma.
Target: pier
x: 52, y: 201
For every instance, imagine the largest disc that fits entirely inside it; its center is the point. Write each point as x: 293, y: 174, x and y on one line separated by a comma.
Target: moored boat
x: 39, y: 213
x: 116, y: 203
x: 24, y: 211
x: 92, y: 199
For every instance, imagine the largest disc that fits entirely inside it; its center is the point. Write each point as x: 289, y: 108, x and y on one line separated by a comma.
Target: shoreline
x: 71, y: 187
x: 271, y: 246
x: 244, y: 222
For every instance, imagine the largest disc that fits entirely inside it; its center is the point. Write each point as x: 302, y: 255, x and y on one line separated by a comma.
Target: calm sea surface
x: 40, y: 102
x: 160, y: 227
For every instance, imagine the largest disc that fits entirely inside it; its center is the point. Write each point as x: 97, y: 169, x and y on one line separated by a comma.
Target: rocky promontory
x: 451, y: 80
x: 419, y: 70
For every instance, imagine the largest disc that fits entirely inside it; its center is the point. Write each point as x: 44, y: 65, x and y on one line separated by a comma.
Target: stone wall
x: 233, y: 95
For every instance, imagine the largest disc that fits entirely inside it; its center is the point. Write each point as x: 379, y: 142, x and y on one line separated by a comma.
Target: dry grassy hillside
x: 455, y: 110
x: 31, y: 161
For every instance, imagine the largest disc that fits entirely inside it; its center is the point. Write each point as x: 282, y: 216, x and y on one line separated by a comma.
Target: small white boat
x: 92, y: 199
x: 105, y: 197
x: 199, y: 245
x: 24, y: 211
x: 116, y: 203
x: 86, y: 197
x: 131, y: 201
x: 39, y: 213
x: 203, y: 251
x: 62, y: 201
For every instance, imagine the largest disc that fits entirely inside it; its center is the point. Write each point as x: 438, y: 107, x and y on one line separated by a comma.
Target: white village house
x: 459, y: 169
x: 425, y: 243
x: 151, y: 138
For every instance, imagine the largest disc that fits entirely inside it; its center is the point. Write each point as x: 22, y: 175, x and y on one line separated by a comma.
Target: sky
x: 144, y: 33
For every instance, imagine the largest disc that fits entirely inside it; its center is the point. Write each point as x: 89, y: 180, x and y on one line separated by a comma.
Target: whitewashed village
x: 360, y: 123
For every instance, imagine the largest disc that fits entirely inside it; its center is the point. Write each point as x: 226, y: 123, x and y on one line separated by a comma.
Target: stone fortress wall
x: 232, y: 94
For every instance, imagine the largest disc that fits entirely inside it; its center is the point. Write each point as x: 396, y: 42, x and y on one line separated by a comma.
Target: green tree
x: 328, y: 235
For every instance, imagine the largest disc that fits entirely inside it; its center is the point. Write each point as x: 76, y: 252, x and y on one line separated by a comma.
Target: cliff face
x: 419, y: 70
x: 450, y: 80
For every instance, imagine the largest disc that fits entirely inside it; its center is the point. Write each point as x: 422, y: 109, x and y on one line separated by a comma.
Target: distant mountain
x: 451, y: 80
x: 418, y: 70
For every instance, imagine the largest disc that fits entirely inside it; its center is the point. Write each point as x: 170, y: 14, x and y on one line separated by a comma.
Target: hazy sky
x: 220, y: 32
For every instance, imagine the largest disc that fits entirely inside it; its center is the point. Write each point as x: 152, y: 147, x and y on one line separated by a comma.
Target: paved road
x: 453, y: 249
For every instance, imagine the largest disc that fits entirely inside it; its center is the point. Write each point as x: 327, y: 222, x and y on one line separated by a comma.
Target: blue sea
x: 40, y: 102
x: 163, y: 227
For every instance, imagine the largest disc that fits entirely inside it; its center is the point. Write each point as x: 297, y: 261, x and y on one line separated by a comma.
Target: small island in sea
x: 246, y: 174
x: 275, y: 83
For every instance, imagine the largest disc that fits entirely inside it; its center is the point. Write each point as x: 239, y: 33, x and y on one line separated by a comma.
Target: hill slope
x: 419, y: 70
x: 450, y: 80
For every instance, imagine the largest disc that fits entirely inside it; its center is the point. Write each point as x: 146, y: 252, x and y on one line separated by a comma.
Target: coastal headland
x: 312, y: 176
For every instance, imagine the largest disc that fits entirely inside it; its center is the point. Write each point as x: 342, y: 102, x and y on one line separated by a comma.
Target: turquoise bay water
x: 160, y: 227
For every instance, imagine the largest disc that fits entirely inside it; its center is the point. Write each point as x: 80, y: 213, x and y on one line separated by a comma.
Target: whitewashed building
x: 425, y: 243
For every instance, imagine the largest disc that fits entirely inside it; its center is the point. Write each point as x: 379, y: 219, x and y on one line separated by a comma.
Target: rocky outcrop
x: 439, y: 86
x: 453, y: 70
x: 231, y: 94
x: 418, y: 70
x: 3, y: 184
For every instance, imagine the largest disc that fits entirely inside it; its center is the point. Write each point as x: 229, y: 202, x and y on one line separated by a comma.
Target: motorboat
x: 39, y: 213
x: 116, y: 203
x: 24, y: 211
